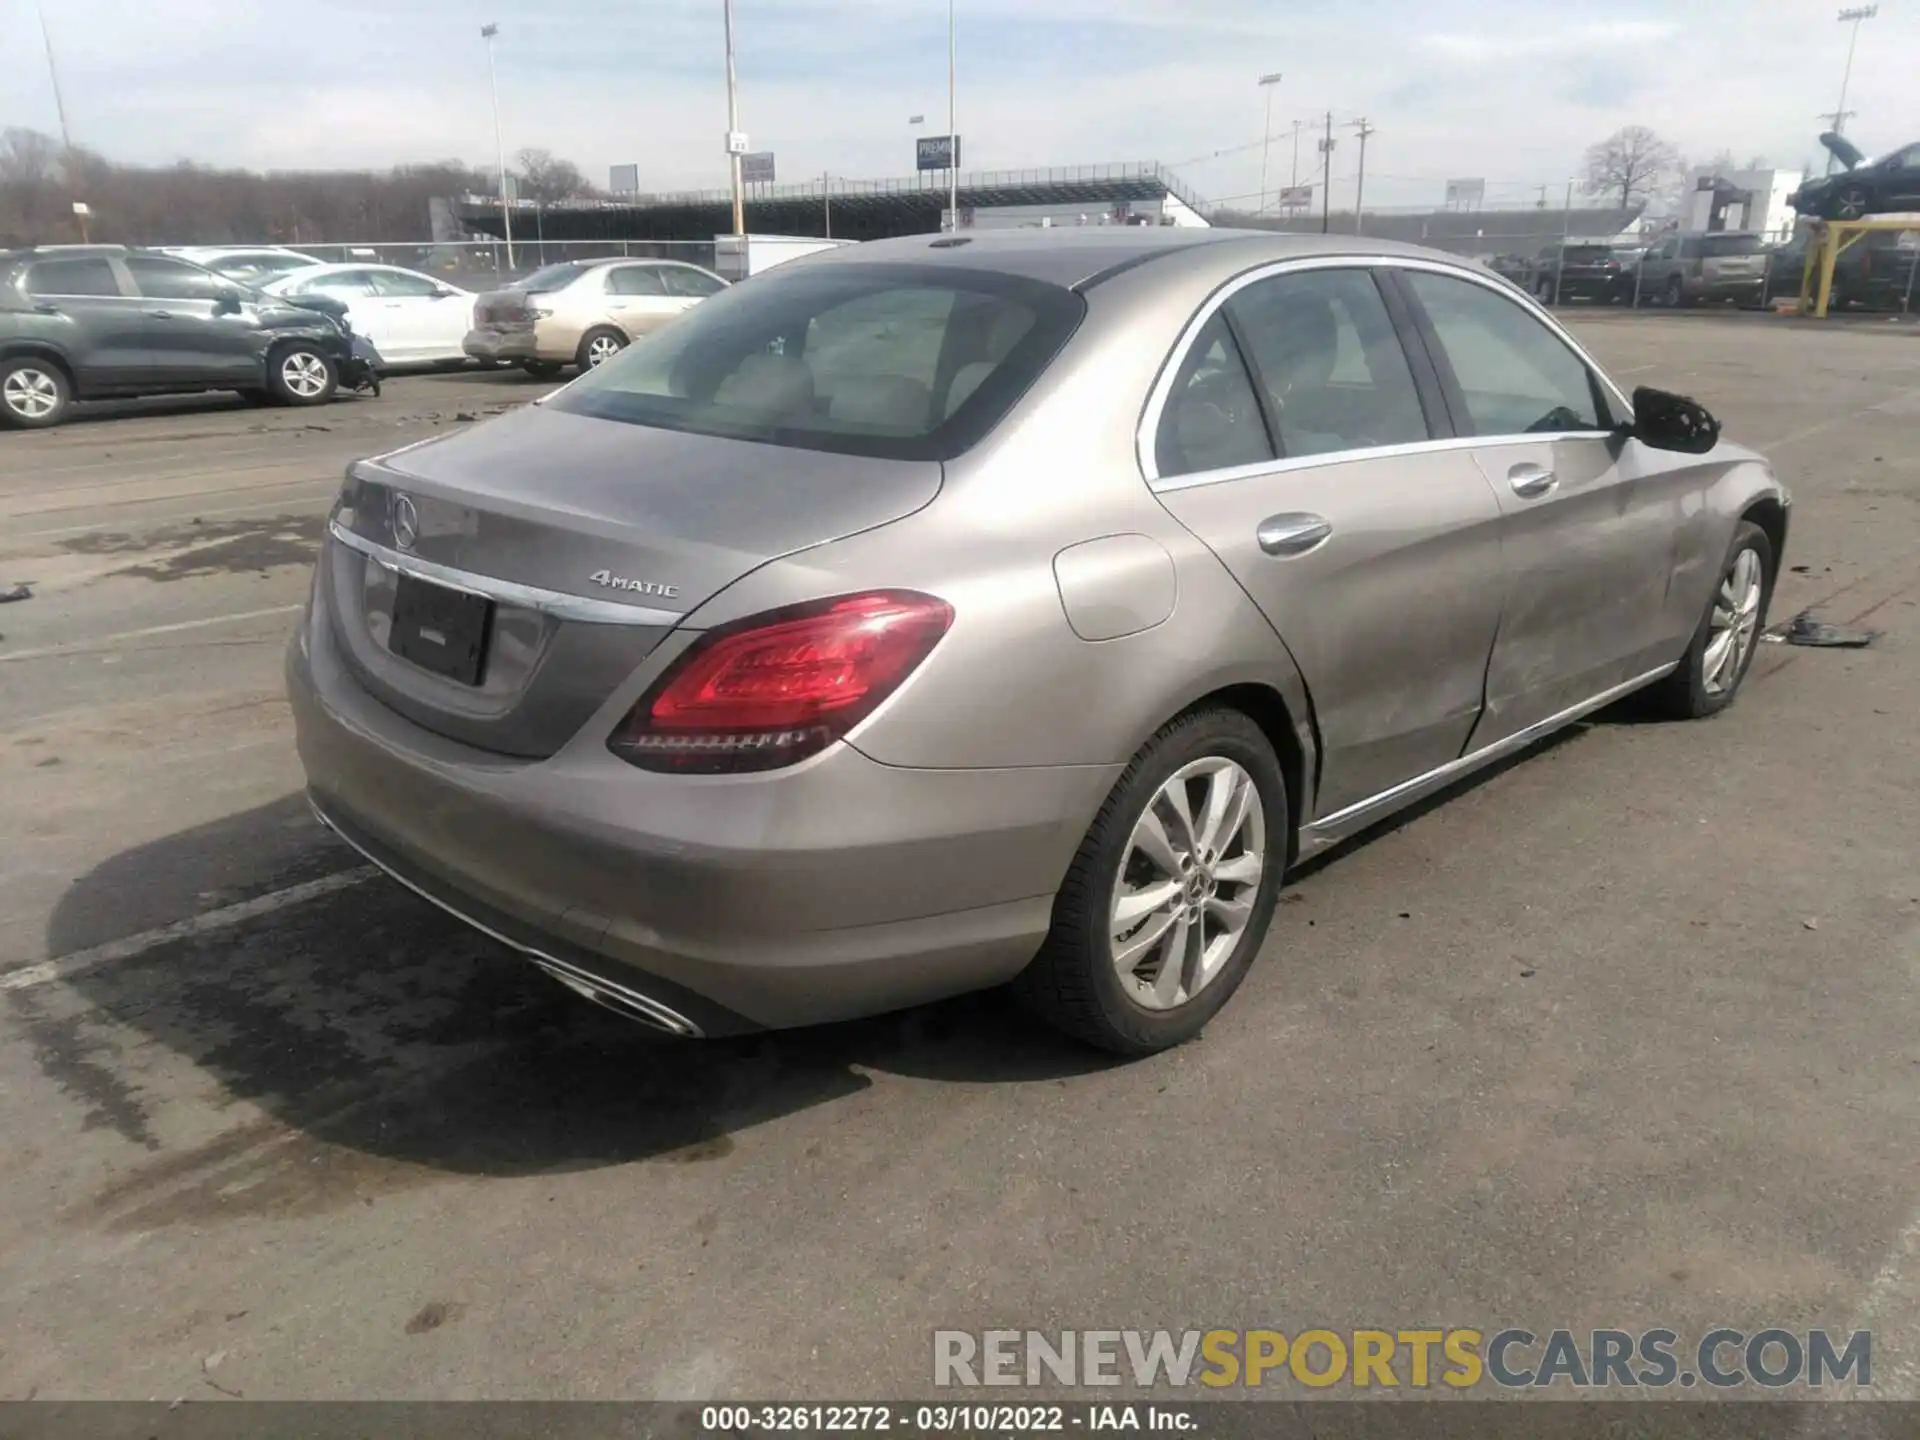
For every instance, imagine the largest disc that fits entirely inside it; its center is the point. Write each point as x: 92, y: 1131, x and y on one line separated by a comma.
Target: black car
x: 1865, y: 187
x: 1876, y: 272
x: 1576, y: 270
x: 86, y: 322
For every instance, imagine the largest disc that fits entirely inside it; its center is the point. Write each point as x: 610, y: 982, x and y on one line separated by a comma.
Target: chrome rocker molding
x: 506, y: 592
x: 1355, y: 818
x: 615, y: 997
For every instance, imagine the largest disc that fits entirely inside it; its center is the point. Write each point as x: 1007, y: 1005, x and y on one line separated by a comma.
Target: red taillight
x: 779, y: 687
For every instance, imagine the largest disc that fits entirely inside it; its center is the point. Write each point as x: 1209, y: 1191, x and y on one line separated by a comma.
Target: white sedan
x: 412, y: 319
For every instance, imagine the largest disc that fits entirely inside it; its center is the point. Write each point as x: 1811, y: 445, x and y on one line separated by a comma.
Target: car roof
x: 1078, y: 259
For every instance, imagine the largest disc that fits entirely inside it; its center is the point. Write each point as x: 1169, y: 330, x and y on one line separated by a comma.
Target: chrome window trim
x: 1149, y: 429
x: 505, y: 592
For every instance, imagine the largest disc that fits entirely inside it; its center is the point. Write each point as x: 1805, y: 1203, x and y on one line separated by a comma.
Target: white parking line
x: 94, y: 643
x: 65, y: 967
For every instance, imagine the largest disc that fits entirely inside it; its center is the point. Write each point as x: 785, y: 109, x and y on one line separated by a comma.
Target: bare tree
x: 546, y: 178
x: 1630, y: 163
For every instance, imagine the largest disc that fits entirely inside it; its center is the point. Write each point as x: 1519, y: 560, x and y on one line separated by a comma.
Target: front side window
x: 345, y: 284
x: 893, y: 361
x: 1212, y: 417
x: 72, y: 277
x: 1515, y: 375
x: 1328, y: 362
x: 549, y: 278
x: 159, y: 279
x: 634, y: 280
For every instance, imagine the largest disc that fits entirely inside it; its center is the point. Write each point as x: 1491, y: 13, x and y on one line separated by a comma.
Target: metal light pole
x: 1360, y: 187
x: 1297, y: 125
x: 1267, y: 82
x: 953, y: 135
x: 1851, y: 17
x: 487, y: 32
x: 734, y: 144
x: 66, y: 135
x: 1326, y: 177
x: 1566, y: 234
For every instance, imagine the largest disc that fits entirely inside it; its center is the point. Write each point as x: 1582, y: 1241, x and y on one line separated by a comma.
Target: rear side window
x: 894, y: 361
x: 160, y: 279
x: 1326, y: 356
x: 1714, y: 246
x: 400, y: 285
x: 72, y: 277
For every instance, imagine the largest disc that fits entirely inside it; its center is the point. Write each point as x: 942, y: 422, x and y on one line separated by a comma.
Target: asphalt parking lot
x: 1621, y: 1035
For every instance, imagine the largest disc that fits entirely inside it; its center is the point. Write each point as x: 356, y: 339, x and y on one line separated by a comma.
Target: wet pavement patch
x: 197, y: 549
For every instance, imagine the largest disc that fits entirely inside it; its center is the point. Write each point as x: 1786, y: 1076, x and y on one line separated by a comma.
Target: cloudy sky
x: 1510, y: 90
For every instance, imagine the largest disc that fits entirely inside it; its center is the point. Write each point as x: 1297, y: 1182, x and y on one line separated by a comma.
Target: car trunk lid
x: 554, y: 551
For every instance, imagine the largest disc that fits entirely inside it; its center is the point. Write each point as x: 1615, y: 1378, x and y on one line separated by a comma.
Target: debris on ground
x: 465, y: 415
x: 1803, y: 629
x: 20, y: 591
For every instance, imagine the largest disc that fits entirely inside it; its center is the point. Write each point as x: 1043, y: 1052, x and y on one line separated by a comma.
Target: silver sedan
x: 946, y: 612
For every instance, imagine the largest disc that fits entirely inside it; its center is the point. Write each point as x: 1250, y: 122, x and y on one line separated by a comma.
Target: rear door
x: 354, y: 289
x: 197, y: 332
x: 1592, y: 525
x: 421, y: 319
x: 637, y: 298
x: 80, y: 306
x: 1294, y: 440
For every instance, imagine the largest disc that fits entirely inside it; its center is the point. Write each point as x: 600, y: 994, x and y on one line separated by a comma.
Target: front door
x: 420, y: 318
x: 1296, y: 444
x: 199, y: 331
x: 1592, y: 524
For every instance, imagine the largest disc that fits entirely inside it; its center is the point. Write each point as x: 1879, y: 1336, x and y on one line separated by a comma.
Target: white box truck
x: 740, y: 257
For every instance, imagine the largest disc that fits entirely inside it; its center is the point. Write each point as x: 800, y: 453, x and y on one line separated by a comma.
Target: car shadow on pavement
x: 366, y: 1019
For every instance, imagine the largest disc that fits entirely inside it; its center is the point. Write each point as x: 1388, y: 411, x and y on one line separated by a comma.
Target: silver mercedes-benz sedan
x: 944, y: 612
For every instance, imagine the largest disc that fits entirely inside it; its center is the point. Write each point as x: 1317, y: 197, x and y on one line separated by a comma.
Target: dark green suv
x: 91, y: 321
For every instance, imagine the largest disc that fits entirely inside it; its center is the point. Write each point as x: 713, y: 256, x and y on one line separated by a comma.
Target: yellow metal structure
x: 1832, y: 238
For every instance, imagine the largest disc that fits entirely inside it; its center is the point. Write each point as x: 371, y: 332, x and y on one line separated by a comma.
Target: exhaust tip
x: 629, y: 1004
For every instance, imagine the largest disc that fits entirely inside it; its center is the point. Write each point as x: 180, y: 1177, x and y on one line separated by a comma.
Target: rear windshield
x: 900, y: 362
x: 1715, y: 246
x: 1588, y: 254
x: 549, y: 277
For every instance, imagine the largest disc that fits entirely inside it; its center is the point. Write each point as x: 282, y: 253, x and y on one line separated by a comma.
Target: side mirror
x: 226, y: 302
x: 1672, y: 422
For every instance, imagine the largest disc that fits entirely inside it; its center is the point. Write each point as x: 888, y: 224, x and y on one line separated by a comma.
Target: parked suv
x: 582, y: 312
x: 86, y: 322
x: 1684, y: 269
x: 1573, y: 270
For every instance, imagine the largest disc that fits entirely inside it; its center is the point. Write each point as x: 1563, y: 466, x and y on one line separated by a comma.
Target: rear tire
x: 541, y: 369
x: 1707, y: 681
x: 599, y: 346
x: 34, y: 393
x: 1084, y: 981
x: 1850, y: 204
x: 1676, y: 294
x: 301, y: 374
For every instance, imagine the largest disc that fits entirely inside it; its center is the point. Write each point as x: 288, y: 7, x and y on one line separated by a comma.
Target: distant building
x: 1480, y: 234
x: 1741, y: 200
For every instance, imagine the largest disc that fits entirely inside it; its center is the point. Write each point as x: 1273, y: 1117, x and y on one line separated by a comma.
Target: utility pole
x: 736, y: 142
x: 1566, y: 234
x: 1267, y: 82
x: 1296, y: 152
x: 1326, y: 177
x: 80, y: 211
x: 826, y: 202
x: 953, y: 135
x: 487, y: 32
x: 1851, y: 17
x: 1360, y: 189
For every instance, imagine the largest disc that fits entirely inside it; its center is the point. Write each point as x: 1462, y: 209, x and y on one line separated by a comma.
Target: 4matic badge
x: 638, y: 587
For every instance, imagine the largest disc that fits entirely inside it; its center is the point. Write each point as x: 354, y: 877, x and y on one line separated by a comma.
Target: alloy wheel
x: 602, y: 349
x: 1734, y: 625
x: 1187, y: 883
x: 31, y: 394
x: 304, y: 374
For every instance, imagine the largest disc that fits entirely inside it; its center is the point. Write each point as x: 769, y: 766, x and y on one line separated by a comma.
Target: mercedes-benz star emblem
x: 406, y: 522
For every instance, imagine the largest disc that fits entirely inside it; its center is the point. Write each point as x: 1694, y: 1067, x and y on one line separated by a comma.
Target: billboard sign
x: 757, y: 168
x: 1296, y: 197
x: 624, y: 179
x: 1465, y: 194
x: 937, y: 152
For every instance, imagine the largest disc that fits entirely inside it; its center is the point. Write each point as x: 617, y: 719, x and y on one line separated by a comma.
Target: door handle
x: 1294, y: 533
x: 45, y: 308
x: 159, y: 314
x: 1530, y: 481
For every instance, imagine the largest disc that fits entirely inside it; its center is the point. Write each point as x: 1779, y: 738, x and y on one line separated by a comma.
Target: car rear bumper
x: 838, y: 888
x: 483, y: 343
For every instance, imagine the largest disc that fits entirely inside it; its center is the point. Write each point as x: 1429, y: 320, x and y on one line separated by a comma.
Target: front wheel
x: 300, y: 374
x: 1709, y: 674
x: 1676, y: 293
x: 34, y: 393
x: 1544, y: 292
x: 1171, y: 892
